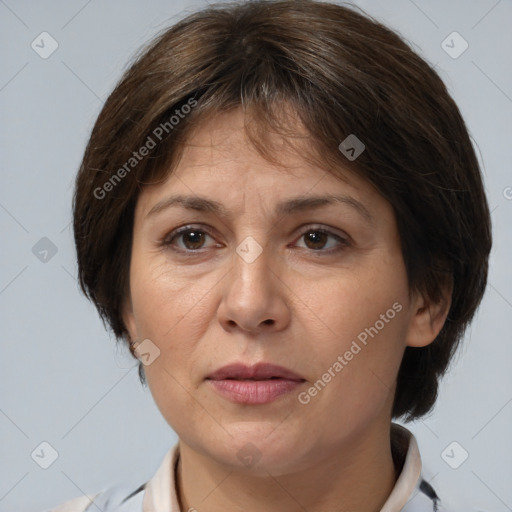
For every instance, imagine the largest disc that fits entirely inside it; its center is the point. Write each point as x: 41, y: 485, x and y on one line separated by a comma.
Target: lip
x: 258, y: 371
x: 258, y: 384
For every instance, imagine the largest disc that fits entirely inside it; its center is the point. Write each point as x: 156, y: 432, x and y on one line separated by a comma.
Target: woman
x: 280, y: 210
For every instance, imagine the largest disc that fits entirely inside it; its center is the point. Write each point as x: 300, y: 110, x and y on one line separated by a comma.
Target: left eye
x: 316, y: 239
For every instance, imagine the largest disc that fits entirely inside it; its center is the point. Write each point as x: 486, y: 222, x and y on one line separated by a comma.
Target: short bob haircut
x: 339, y: 73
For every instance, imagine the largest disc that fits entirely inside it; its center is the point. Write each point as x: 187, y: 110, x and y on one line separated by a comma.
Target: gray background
x: 64, y: 381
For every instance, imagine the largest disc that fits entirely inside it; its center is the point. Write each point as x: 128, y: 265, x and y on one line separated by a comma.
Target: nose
x: 255, y: 295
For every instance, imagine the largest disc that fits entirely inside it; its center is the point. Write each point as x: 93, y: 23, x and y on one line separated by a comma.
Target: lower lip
x: 254, y: 392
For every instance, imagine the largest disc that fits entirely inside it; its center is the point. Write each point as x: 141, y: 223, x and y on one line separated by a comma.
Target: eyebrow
x: 297, y: 204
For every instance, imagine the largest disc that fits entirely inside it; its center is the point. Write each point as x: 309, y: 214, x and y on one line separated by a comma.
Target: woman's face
x: 317, y: 287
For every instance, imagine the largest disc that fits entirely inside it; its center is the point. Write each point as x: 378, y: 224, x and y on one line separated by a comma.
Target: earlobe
x: 428, y: 319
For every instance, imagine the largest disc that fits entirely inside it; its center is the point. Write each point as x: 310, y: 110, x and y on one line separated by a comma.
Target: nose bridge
x: 251, y: 267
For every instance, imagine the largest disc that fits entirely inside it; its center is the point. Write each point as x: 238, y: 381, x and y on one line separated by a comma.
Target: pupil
x: 195, y: 238
x: 316, y: 237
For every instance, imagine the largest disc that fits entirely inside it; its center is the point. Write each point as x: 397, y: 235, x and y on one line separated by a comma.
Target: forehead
x: 224, y: 134
x: 220, y: 160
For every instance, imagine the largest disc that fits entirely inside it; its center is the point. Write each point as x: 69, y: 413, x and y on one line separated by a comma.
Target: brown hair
x: 341, y: 73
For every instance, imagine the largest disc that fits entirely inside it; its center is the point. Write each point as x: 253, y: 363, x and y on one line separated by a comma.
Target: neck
x: 358, y: 475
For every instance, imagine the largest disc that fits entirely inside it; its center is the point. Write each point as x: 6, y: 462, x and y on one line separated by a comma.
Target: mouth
x: 252, y: 385
x: 257, y: 372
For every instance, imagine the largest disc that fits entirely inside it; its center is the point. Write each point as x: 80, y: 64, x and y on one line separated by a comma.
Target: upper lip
x: 258, y: 372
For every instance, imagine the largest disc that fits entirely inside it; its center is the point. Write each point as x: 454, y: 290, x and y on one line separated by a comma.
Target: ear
x: 428, y: 318
x: 129, y: 320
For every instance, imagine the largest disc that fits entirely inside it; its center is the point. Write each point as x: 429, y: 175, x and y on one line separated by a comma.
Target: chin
x: 260, y: 453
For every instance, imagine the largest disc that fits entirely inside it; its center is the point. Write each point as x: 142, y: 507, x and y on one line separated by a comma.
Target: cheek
x: 359, y: 325
x: 173, y: 312
x: 174, y: 398
x: 348, y: 304
x: 164, y: 302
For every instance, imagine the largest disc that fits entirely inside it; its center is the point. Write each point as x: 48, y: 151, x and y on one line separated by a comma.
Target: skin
x: 296, y: 305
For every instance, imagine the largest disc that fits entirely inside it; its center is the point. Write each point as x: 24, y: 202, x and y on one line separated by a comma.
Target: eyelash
x: 167, y: 242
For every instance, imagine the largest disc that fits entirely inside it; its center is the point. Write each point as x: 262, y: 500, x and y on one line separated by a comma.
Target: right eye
x: 191, y: 239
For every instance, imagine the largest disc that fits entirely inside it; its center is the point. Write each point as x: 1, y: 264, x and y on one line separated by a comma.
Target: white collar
x: 161, y: 495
